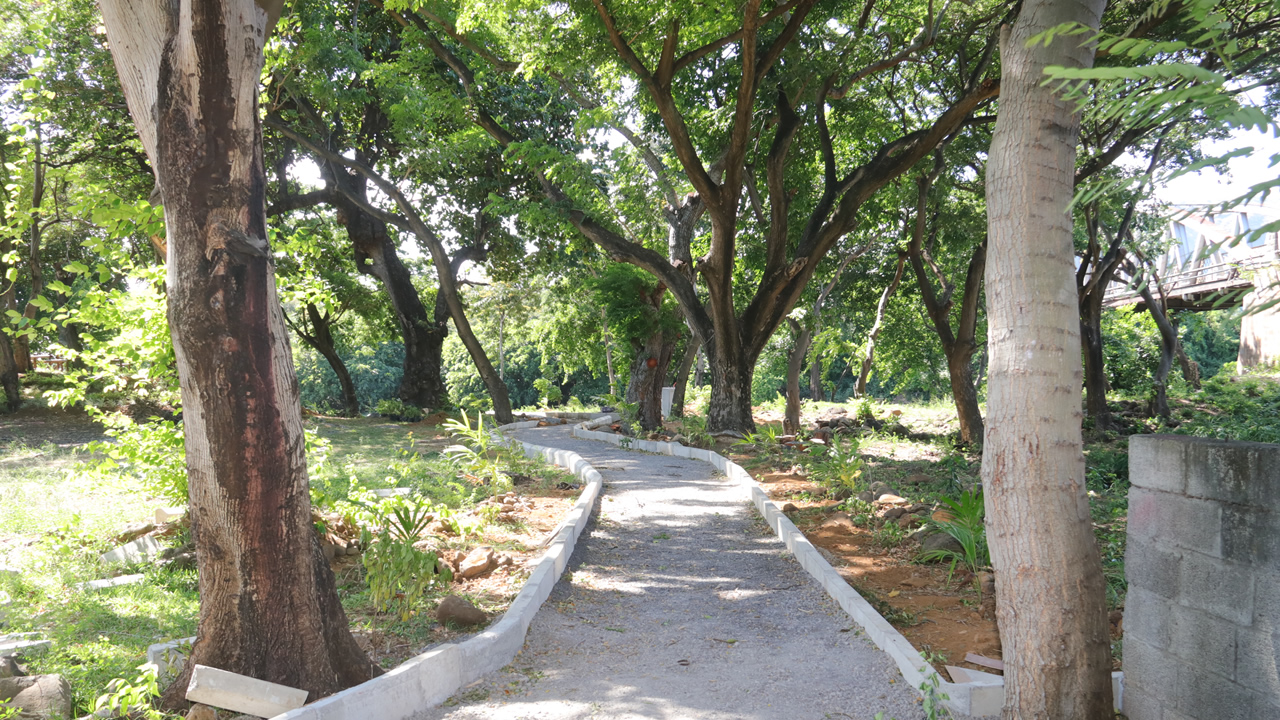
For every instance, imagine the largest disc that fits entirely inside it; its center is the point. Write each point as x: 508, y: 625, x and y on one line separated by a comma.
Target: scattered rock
x: 942, y: 516
x: 111, y: 582
x: 921, y: 534
x: 894, y: 513
x: 838, y: 520
x: 789, y: 507
x: 917, y: 479
x: 889, y: 499
x: 37, y: 696
x: 898, y: 429
x: 9, y: 667
x: 866, y: 496
x: 179, y: 558
x: 140, y: 550
x: 202, y: 712
x: 477, y: 563
x: 910, y: 521
x: 329, y: 551
x: 941, y: 541
x: 987, y: 584
x: 166, y: 514
x: 920, y: 508
x: 459, y: 611
x: 878, y: 489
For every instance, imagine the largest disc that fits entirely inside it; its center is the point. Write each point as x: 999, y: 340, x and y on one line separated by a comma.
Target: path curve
x: 679, y: 602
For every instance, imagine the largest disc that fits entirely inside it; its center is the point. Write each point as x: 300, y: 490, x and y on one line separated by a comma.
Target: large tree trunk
x: 22, y: 343
x: 268, y: 604
x: 802, y: 338
x: 1051, y: 606
x: 648, y: 373
x: 9, y: 375
x: 422, y: 383
x: 731, y: 374
x: 816, y: 391
x: 1169, y: 345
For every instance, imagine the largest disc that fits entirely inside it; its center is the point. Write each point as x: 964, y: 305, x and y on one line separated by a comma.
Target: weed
x: 399, y: 574
x: 477, y: 456
x: 837, y: 464
x: 966, y: 526
x: 397, y: 410
x: 889, y: 535
x: 133, y: 699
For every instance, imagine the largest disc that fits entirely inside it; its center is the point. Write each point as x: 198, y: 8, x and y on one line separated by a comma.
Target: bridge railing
x: 1201, y: 276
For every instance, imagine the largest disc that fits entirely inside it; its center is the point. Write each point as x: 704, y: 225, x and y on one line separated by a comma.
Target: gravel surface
x: 679, y: 602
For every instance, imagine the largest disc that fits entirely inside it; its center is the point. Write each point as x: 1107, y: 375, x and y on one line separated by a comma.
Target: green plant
x: 629, y: 413
x: 399, y: 574
x: 133, y: 699
x: 965, y: 524
x: 889, y: 535
x: 397, y: 410
x: 931, y: 698
x: 866, y: 411
x: 694, y: 429
x: 836, y: 464
x: 152, y: 453
x: 479, y: 455
x: 548, y: 392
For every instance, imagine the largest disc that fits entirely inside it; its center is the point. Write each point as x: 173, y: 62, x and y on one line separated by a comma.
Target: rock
x: 921, y: 534
x: 37, y: 696
x: 202, y: 712
x: 866, y: 496
x: 476, y: 563
x: 351, y: 550
x: 910, y: 521
x: 894, y: 513
x: 942, y: 516
x: 898, y: 429
x: 941, y: 541
x: 329, y: 551
x: 459, y: 611
x: 987, y: 584
x: 890, y: 499
x: 789, y: 507
x: 920, y: 508
x: 878, y: 488
x: 9, y: 667
x: 917, y: 479
x: 22, y: 644
x: 111, y: 582
x: 838, y: 520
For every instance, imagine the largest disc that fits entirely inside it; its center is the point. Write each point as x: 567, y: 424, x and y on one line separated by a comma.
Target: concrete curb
x: 981, y: 698
x: 430, y: 678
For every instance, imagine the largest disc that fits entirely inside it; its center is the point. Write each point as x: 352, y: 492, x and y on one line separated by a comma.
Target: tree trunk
x: 1190, y: 368
x: 1051, y: 606
x: 1095, y: 372
x: 731, y: 374
x: 1168, y: 343
x: 682, y: 377
x: 816, y: 391
x: 699, y: 366
x: 648, y: 373
x: 321, y: 339
x: 268, y: 604
x: 860, y: 389
x: 22, y: 343
x: 422, y: 383
x: 803, y: 338
x: 965, y: 394
x: 9, y: 375
x: 608, y: 352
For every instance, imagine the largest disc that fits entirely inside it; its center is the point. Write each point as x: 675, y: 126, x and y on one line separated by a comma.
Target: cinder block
x: 1140, y: 705
x: 1266, y: 607
x: 1220, y: 470
x: 1146, y: 618
x: 242, y: 694
x: 1251, y: 535
x: 168, y: 657
x: 1216, y: 586
x: 1203, y: 640
x: 1149, y: 669
x: 1156, y: 462
x: 1257, y: 657
x: 1186, y: 522
x: 1152, y: 569
x: 1203, y: 694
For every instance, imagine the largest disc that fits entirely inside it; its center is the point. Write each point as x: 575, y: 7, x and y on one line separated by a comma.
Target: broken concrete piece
x: 25, y: 643
x: 242, y: 694
x: 140, y: 550
x: 111, y: 582
x: 169, y: 656
x: 164, y: 515
x: 965, y: 675
x: 391, y: 492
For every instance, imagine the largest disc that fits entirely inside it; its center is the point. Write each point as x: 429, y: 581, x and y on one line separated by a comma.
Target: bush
x: 398, y: 410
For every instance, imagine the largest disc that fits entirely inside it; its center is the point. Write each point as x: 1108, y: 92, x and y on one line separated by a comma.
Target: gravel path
x: 680, y: 603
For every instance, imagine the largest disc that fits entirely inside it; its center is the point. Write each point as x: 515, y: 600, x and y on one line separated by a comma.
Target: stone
x: 134, y: 531
x: 866, y: 496
x: 9, y: 667
x: 898, y: 429
x: 22, y: 643
x: 917, y: 479
x: 180, y: 561
x: 477, y: 563
x: 894, y: 513
x: 459, y: 611
x: 137, y: 551
x: 941, y: 541
x: 37, y: 696
x: 920, y: 535
x: 242, y: 694
x: 910, y: 521
x: 202, y: 712
x: 789, y: 507
x: 888, y: 499
x: 838, y: 520
x: 329, y: 551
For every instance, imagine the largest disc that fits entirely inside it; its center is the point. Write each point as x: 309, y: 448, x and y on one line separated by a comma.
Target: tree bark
x: 648, y: 374
x: 860, y: 389
x: 802, y: 338
x: 1095, y: 371
x: 1050, y: 592
x: 1169, y: 345
x: 268, y: 603
x: 321, y: 339
x: 22, y: 343
x: 682, y: 376
x: 422, y: 383
x: 816, y: 391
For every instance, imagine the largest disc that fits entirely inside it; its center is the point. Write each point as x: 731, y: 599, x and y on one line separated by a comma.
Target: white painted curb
x: 430, y: 678
x: 981, y: 698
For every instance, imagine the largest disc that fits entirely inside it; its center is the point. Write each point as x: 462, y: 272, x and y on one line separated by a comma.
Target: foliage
x: 1245, y: 408
x: 375, y: 367
x: 694, y: 430
x: 548, y: 393
x: 152, y: 453
x: 1131, y: 349
x: 396, y: 409
x: 133, y: 699
x: 479, y: 455
x: 966, y: 526
x: 836, y: 464
x: 399, y: 574
x: 628, y: 412
x: 1212, y: 339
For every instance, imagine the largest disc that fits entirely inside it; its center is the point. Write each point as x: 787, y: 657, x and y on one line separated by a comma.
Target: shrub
x: 398, y: 410
x: 965, y: 524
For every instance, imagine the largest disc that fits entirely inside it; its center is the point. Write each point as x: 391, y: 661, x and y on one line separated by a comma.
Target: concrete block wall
x: 1202, y: 617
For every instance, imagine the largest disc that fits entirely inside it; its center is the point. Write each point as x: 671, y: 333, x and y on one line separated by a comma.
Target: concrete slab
x: 23, y: 643
x: 242, y: 694
x: 167, y: 514
x: 111, y: 582
x: 138, y: 551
